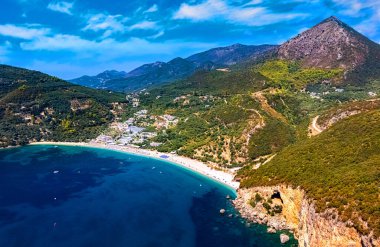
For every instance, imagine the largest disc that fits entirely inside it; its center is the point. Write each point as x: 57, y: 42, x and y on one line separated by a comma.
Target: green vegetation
x: 258, y: 198
x: 267, y: 206
x: 35, y: 106
x: 275, y: 136
x: 217, y: 83
x: 224, y: 104
x: 288, y: 75
x: 337, y: 169
x: 277, y: 209
x: 232, y: 119
x: 353, y: 106
x: 210, y: 130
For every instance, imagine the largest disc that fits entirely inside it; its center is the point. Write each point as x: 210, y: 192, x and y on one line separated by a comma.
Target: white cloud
x: 107, y: 53
x: 152, y: 9
x: 219, y: 9
x: 144, y: 25
x: 110, y: 24
x: 63, y: 7
x: 353, y: 8
x: 253, y: 2
x: 367, y: 10
x: 159, y: 34
x: 4, y: 50
x: 203, y: 11
x: 58, y: 42
x: 108, y: 48
x: 27, y: 31
x: 368, y: 27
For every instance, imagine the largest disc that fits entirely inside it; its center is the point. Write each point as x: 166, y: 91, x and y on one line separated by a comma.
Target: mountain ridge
x: 177, y: 68
x: 328, y: 44
x: 100, y: 79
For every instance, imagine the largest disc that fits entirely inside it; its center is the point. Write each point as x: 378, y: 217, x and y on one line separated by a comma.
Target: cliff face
x: 312, y: 229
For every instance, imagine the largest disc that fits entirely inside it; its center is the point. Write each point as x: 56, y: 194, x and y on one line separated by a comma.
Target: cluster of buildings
x: 316, y: 95
x: 133, y: 99
x: 126, y: 135
x: 137, y: 130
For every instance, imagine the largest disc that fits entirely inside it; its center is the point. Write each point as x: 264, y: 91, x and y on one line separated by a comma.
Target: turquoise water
x: 76, y: 196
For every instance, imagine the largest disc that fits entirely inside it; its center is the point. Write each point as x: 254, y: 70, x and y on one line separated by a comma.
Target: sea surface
x: 75, y: 196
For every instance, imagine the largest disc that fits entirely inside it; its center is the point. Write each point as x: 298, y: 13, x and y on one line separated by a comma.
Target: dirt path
x: 314, y: 128
x: 267, y: 108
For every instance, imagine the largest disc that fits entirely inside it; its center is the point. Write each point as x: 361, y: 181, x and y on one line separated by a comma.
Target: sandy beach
x: 224, y: 177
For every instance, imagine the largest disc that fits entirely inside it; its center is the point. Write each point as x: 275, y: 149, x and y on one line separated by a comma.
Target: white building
x: 135, y: 102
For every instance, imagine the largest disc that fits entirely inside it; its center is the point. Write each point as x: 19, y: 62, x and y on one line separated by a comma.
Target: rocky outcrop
x: 350, y: 109
x: 284, y: 238
x: 312, y: 229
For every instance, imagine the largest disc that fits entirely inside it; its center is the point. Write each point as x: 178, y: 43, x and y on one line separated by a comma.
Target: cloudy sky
x: 71, y: 38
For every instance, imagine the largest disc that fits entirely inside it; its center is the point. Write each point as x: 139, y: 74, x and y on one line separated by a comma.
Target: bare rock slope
x: 334, y: 44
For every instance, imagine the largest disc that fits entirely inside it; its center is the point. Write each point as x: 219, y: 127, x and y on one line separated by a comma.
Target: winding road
x: 314, y: 129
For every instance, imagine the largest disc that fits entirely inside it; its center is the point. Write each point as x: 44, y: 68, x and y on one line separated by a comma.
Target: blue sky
x: 71, y: 38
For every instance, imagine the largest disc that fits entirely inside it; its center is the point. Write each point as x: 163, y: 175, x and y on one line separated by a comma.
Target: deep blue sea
x: 76, y: 196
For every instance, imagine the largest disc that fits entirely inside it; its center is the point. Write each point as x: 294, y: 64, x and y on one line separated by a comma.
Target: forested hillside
x: 337, y: 169
x: 36, y: 106
x: 234, y: 118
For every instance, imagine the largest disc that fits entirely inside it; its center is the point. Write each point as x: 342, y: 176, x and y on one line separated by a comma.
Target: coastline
x: 222, y: 177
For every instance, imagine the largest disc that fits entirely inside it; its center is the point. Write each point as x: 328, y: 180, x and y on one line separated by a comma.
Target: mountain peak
x: 177, y: 59
x: 332, y: 19
x: 237, y: 45
x: 329, y: 44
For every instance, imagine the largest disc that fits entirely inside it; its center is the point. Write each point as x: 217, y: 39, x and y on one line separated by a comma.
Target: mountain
x: 99, y: 81
x: 258, y: 118
x: 36, y: 106
x: 334, y: 44
x: 330, y: 44
x: 178, y: 68
x: 230, y: 55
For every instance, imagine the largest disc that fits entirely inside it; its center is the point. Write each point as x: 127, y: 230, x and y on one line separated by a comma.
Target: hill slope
x: 35, y: 106
x: 337, y: 169
x: 334, y: 44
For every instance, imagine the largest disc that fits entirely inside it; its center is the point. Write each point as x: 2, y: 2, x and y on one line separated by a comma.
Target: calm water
x: 74, y: 196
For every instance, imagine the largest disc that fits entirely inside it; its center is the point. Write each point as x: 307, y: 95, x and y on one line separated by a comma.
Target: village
x: 137, y: 131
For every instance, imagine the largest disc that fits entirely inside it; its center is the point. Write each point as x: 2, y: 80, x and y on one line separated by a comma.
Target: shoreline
x: 196, y: 166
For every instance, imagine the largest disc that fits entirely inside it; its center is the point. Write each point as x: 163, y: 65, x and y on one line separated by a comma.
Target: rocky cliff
x: 282, y: 207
